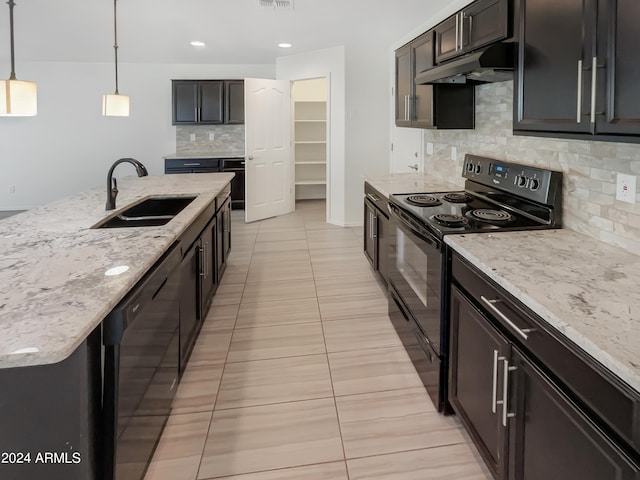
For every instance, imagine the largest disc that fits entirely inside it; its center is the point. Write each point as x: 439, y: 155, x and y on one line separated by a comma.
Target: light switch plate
x: 454, y: 153
x: 192, y: 137
x: 429, y: 148
x: 626, y: 188
x: 212, y: 136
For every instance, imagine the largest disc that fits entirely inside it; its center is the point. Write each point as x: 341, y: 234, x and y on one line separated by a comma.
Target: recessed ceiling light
x: 284, y: 45
x: 196, y: 43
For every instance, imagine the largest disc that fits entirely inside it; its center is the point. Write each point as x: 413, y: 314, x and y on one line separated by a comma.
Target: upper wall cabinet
x: 578, y: 67
x: 428, y: 106
x: 481, y: 23
x: 207, y: 102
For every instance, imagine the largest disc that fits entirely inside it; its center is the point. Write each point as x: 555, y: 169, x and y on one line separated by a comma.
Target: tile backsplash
x: 226, y: 138
x: 589, y: 167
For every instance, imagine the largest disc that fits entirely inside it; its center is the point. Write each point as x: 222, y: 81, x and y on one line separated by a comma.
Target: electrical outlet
x: 429, y: 148
x: 454, y: 153
x: 212, y: 136
x: 626, y: 188
x: 192, y: 137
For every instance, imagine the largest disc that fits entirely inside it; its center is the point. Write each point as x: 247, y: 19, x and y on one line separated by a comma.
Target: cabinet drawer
x: 173, y: 165
x: 613, y: 402
x: 376, y: 198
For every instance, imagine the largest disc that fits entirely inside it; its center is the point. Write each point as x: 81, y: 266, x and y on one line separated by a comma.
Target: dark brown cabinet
x: 234, y: 101
x: 223, y: 238
x: 208, y: 280
x: 520, y: 392
x: 207, y: 102
x: 429, y: 106
x: 589, y: 86
x: 376, y: 231
x: 481, y: 23
x: 189, y: 302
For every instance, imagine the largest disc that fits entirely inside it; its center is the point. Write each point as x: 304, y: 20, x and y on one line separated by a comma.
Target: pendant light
x: 115, y: 105
x: 17, y: 97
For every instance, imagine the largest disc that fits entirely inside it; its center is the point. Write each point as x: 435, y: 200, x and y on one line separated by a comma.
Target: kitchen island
x: 57, y: 290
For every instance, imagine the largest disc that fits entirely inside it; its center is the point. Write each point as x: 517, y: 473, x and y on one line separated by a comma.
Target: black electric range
x: 498, y: 196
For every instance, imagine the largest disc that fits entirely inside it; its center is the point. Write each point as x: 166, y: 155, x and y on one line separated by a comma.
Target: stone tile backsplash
x: 589, y: 167
x: 226, y: 138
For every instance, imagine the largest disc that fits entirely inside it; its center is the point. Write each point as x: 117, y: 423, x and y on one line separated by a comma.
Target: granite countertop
x: 179, y: 156
x: 584, y: 288
x: 410, y: 183
x: 52, y: 269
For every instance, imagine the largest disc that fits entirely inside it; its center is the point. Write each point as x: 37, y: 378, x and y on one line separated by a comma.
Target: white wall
x: 359, y: 115
x: 69, y: 146
x: 327, y: 63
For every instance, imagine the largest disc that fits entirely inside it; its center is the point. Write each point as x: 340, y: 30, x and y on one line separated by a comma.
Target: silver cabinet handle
x: 470, y: 17
x: 505, y: 393
x: 196, y: 113
x: 191, y: 164
x: 206, y: 258
x: 374, y: 229
x: 579, y: 107
x: 202, y: 274
x: 520, y: 331
x: 406, y: 108
x: 414, y: 166
x: 494, y: 386
x: 461, y: 30
x: 594, y: 79
x: 375, y: 198
x: 457, y: 30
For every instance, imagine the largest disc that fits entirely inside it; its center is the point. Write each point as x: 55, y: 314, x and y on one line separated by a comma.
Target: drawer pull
x: 191, y: 164
x: 373, y: 198
x: 505, y: 394
x: 520, y: 331
x: 494, y: 385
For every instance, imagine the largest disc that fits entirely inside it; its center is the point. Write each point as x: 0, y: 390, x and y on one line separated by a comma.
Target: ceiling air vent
x: 276, y: 4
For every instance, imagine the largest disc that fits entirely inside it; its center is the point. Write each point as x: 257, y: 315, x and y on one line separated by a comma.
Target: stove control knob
x: 534, y: 184
x: 521, y: 181
x: 478, y: 168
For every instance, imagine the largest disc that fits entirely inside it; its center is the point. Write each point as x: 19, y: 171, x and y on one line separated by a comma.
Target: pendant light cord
x: 115, y: 39
x: 12, y: 4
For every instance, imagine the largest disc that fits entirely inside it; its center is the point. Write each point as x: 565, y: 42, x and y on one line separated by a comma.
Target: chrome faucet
x: 112, y: 185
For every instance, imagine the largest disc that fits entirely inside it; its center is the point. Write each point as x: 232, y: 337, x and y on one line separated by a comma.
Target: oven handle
x: 408, y: 224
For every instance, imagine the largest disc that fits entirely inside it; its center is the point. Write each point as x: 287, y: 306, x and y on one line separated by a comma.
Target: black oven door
x: 415, y: 265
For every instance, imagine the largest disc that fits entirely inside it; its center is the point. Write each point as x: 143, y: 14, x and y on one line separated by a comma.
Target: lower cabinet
x: 376, y: 231
x: 526, y: 424
x: 208, y: 262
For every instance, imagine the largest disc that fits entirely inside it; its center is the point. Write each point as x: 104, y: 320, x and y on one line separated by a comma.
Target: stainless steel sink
x: 152, y: 212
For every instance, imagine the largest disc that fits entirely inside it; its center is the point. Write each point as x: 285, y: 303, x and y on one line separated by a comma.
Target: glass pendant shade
x: 115, y: 105
x: 18, y: 98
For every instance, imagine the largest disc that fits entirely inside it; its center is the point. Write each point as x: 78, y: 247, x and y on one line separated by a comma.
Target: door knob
x: 250, y: 157
x: 414, y: 166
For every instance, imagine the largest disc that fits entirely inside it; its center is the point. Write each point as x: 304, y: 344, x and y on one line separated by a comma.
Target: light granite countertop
x: 180, y: 156
x: 52, y: 268
x: 410, y: 183
x: 584, y: 288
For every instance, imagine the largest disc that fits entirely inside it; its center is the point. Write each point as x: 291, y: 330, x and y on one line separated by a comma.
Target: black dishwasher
x: 141, y: 352
x: 235, y: 165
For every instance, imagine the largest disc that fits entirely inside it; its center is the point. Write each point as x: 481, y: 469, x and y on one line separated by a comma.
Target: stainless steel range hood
x: 491, y: 64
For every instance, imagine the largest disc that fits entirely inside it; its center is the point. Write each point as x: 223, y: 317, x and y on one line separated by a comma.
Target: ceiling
x: 235, y: 31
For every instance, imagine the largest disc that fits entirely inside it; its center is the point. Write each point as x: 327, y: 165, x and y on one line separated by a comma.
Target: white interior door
x: 267, y: 119
x: 406, y: 155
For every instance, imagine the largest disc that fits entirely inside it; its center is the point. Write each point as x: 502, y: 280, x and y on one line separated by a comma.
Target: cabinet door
x: 404, y: 80
x: 618, y: 39
x: 551, y: 438
x: 447, y: 38
x: 475, y: 378
x: 227, y: 229
x: 189, y: 302
x: 185, y: 101
x: 369, y: 235
x: 422, y: 101
x: 234, y: 101
x: 208, y: 265
x: 384, y: 231
x: 553, y: 74
x: 223, y: 237
x: 484, y: 22
x: 211, y: 101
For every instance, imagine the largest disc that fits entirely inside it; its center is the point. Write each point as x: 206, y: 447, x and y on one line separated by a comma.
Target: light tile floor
x: 299, y: 374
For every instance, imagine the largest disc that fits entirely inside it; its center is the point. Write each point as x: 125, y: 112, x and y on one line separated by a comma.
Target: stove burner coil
x: 489, y: 215
x: 423, y: 200
x: 449, y: 220
x: 457, y: 197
